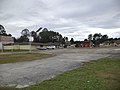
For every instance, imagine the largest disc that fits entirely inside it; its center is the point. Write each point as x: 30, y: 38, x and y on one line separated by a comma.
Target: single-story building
x: 6, y: 39
x: 86, y: 44
x: 117, y: 43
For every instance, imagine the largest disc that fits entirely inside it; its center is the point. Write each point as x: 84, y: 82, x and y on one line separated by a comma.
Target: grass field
x: 103, y: 74
x: 12, y: 58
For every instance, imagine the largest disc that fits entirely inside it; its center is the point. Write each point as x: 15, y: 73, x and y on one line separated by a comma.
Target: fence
x: 17, y: 47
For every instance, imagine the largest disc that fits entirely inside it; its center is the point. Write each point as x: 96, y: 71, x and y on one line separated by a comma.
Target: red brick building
x: 86, y: 44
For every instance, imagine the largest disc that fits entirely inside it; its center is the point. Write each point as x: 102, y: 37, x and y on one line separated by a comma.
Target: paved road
x: 23, y: 74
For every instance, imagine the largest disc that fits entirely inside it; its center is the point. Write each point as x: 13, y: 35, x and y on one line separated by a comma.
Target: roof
x: 6, y: 39
x: 44, y: 44
x: 117, y: 41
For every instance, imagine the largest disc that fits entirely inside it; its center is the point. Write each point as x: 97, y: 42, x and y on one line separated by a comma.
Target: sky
x: 71, y: 18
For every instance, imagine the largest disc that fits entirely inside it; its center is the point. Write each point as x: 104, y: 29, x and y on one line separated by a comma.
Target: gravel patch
x: 23, y: 74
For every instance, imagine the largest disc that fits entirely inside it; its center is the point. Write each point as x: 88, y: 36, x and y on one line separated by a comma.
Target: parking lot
x: 23, y: 74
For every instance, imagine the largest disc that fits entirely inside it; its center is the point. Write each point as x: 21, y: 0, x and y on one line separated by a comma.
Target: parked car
x: 50, y: 47
x: 42, y: 48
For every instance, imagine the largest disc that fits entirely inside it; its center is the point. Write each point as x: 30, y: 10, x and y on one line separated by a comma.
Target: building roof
x: 6, y: 39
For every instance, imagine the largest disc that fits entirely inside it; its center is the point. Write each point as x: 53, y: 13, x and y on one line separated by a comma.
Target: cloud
x: 115, y: 34
x: 75, y: 18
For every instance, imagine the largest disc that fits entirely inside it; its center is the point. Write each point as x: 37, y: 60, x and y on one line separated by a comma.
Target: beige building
x: 6, y: 39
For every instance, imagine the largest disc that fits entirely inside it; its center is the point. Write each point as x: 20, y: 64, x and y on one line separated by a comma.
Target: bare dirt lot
x: 23, y: 74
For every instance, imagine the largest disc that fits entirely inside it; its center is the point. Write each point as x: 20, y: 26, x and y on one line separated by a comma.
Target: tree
x: 2, y: 31
x: 9, y: 35
x: 25, y: 32
x: 24, y: 36
x: 23, y: 39
x: 35, y: 35
x: 85, y: 40
x: 97, y: 39
x: 72, y: 41
x: 49, y: 36
x: 90, y: 37
x: 66, y: 39
x: 44, y: 36
x: 63, y: 41
x: 45, y: 30
x: 104, y: 38
x: 97, y: 36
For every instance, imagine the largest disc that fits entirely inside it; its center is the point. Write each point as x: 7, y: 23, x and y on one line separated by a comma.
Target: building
x: 117, y: 43
x: 6, y: 39
x: 86, y: 44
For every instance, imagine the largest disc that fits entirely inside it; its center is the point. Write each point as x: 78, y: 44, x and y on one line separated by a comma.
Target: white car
x: 42, y: 48
x: 50, y: 47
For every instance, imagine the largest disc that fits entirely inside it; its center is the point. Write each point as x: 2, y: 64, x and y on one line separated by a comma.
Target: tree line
x: 3, y: 31
x: 97, y: 39
x: 43, y: 35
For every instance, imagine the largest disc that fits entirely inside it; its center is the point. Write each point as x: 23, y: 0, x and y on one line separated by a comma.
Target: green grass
x: 13, y: 50
x: 16, y: 50
x: 12, y: 58
x: 103, y: 74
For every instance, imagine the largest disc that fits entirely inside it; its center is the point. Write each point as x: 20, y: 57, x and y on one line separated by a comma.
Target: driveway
x: 23, y: 74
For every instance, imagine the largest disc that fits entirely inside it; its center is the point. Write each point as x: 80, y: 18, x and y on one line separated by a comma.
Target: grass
x: 103, y: 74
x: 16, y: 50
x: 12, y: 58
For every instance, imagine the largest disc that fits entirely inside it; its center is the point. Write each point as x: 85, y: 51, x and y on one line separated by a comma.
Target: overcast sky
x: 71, y: 18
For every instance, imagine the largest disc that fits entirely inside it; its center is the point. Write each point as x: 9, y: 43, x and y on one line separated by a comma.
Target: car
x: 42, y: 48
x: 50, y: 47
